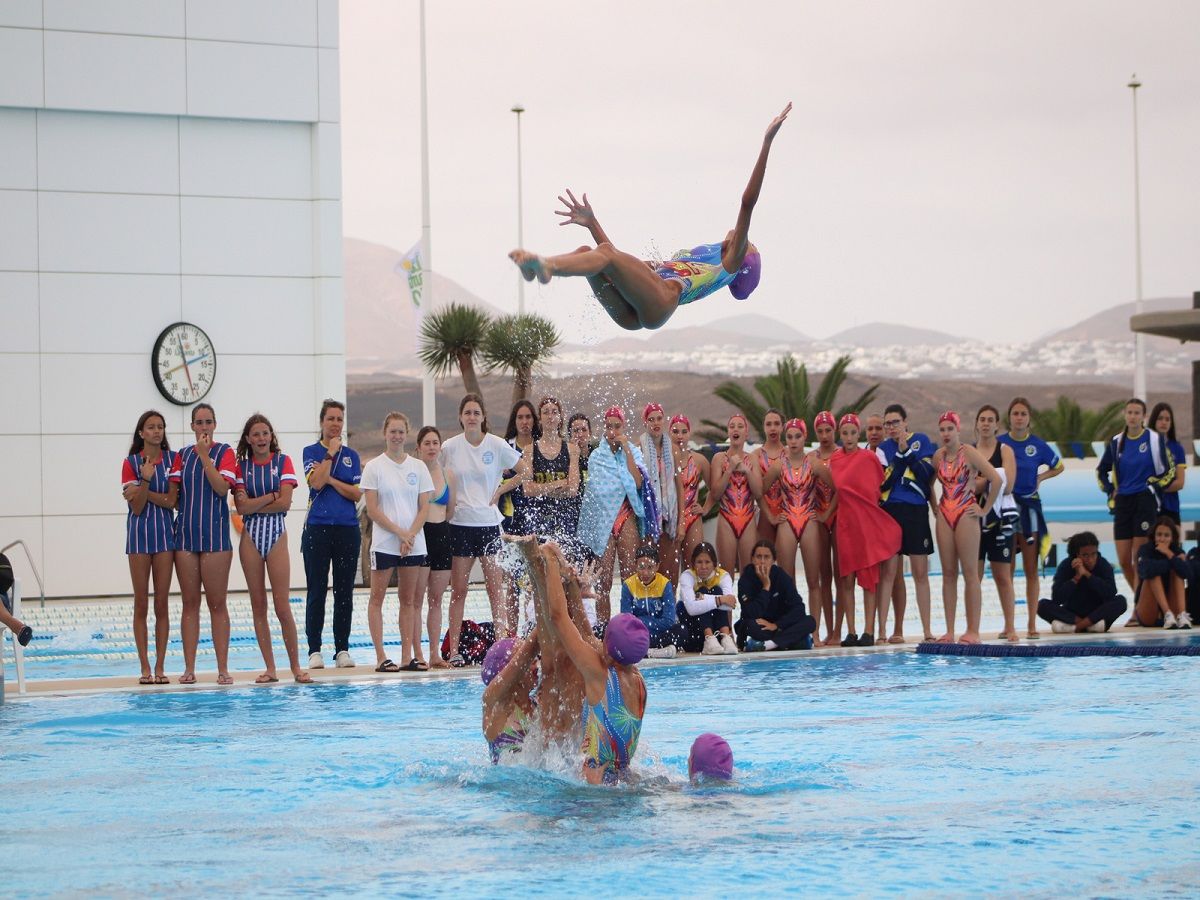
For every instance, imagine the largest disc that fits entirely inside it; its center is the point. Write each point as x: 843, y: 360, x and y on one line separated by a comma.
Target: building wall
x: 160, y: 160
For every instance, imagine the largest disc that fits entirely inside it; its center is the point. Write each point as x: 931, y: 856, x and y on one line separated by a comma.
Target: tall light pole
x: 1139, y: 365
x: 428, y: 386
x: 518, y: 109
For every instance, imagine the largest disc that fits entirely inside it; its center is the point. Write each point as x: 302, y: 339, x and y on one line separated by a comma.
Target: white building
x: 160, y: 161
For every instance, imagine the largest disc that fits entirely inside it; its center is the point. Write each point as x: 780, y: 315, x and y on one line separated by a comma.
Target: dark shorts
x: 437, y: 546
x: 381, y: 562
x: 995, y: 547
x: 1134, y: 515
x: 471, y: 541
x: 915, y: 537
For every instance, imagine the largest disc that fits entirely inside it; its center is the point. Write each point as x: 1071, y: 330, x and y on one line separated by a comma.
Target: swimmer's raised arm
x: 577, y: 213
x: 735, y: 253
x: 500, y: 694
x: 586, y: 657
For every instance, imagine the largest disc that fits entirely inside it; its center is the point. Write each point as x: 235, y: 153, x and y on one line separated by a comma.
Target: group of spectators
x: 849, y: 507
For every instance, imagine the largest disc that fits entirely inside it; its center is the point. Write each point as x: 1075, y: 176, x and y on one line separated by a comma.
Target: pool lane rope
x: 931, y: 648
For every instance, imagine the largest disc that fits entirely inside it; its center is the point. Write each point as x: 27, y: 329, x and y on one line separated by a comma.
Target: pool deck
x: 207, y: 681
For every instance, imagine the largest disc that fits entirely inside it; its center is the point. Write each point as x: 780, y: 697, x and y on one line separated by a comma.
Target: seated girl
x: 706, y: 603
x: 648, y: 594
x: 1163, y: 572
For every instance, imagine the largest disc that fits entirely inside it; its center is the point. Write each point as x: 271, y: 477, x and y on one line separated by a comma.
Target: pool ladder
x: 18, y: 650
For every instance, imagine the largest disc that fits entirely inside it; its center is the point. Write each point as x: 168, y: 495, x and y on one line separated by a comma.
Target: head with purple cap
x: 746, y: 281
x: 626, y: 639
x: 711, y: 757
x: 497, y: 658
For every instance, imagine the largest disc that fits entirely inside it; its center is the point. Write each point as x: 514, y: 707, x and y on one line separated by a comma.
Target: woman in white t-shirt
x: 477, y: 461
x: 397, y: 488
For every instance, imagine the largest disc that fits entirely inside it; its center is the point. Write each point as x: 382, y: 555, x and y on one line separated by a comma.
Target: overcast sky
x: 959, y: 165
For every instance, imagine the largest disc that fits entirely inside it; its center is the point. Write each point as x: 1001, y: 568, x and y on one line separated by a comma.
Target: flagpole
x: 428, y: 393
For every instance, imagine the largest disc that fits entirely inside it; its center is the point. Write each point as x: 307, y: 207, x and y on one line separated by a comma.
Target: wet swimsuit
x: 737, y: 503
x: 773, y: 497
x: 798, y: 494
x: 610, y: 730
x: 699, y: 272
x: 512, y: 738
x: 258, y: 480
x: 823, y: 494
x: 957, y: 495
x: 690, y: 476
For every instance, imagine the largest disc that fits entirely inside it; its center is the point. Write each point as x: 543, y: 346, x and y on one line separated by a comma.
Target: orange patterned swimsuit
x: 823, y: 495
x: 690, y: 476
x: 799, y: 494
x: 957, y: 493
x: 772, y: 498
x: 737, y: 503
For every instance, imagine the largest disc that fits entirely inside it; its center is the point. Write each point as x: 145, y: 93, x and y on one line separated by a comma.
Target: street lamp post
x: 1139, y: 366
x: 428, y: 386
x: 518, y: 109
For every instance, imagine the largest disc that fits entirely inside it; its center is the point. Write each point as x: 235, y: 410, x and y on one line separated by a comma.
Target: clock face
x: 184, y: 363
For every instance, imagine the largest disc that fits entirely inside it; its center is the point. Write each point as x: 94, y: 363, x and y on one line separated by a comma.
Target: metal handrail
x: 29, y: 557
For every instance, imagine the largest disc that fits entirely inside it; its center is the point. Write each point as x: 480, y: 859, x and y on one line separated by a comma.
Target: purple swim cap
x: 627, y: 639
x: 747, y: 277
x: 497, y: 658
x: 710, y: 757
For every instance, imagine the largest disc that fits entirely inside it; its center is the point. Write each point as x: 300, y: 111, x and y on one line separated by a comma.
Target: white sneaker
x: 1061, y: 627
x: 667, y: 652
x: 1184, y: 620
x: 315, y: 661
x: 343, y: 660
x: 712, y: 647
x: 728, y: 645
x: 1098, y: 627
x: 1169, y: 620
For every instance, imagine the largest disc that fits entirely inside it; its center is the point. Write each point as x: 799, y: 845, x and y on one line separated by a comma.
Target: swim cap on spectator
x: 650, y: 408
x: 614, y: 412
x: 627, y: 639
x: 497, y: 658
x: 950, y: 416
x: 797, y: 424
x: 824, y: 417
x: 680, y: 417
x: 747, y: 277
x: 711, y: 757
x: 849, y: 419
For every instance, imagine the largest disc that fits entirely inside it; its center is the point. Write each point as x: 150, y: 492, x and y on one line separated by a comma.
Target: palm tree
x: 1066, y: 421
x: 519, y: 344
x: 451, y: 337
x: 788, y: 390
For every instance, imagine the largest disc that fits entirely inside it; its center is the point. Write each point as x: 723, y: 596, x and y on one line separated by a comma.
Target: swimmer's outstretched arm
x: 735, y: 253
x: 586, y: 657
x: 500, y: 695
x: 577, y: 213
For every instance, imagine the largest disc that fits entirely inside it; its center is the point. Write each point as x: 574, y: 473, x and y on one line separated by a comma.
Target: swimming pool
x: 855, y: 775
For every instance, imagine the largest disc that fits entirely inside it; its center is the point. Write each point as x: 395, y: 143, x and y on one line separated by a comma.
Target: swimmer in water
x: 510, y: 673
x: 639, y: 294
x: 614, y: 692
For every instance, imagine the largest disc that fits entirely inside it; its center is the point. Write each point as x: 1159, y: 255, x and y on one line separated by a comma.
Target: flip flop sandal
x: 187, y: 679
x: 413, y: 666
x: 146, y: 679
x: 265, y: 679
x: 161, y: 679
x: 387, y: 666
x: 456, y: 661
x: 225, y: 679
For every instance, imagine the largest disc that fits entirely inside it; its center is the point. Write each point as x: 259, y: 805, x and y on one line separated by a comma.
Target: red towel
x: 866, y: 535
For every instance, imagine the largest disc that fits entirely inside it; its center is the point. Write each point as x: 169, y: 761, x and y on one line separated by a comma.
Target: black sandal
x: 413, y: 665
x: 387, y: 666
x: 850, y: 640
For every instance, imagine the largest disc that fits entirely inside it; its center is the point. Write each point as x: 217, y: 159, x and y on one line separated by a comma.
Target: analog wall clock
x: 184, y: 363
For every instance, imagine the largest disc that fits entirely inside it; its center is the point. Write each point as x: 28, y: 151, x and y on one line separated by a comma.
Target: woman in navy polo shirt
x: 331, y: 534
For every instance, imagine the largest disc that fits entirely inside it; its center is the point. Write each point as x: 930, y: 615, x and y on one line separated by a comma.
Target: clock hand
x: 183, y: 356
x: 186, y: 362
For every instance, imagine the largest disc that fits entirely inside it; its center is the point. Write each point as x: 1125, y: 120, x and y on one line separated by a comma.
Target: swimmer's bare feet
x: 439, y: 663
x: 531, y: 265
x: 897, y: 639
x: 832, y: 641
x: 970, y: 637
x: 946, y: 638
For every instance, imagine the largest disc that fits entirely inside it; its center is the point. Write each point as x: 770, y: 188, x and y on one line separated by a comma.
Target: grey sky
x: 958, y: 165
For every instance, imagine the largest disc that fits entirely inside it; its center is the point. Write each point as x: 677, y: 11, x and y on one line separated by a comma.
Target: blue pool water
x: 855, y: 775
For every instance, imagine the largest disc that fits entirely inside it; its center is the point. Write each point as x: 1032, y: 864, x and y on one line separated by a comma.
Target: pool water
x: 854, y: 775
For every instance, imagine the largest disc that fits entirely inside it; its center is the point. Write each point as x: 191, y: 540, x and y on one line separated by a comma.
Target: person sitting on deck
x: 773, y: 613
x: 1084, y: 596
x: 649, y: 595
x: 1163, y: 574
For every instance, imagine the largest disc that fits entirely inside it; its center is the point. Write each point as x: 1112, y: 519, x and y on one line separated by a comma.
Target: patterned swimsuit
x: 610, y: 730
x: 957, y: 493
x: 737, y: 503
x: 690, y: 476
x: 799, y: 494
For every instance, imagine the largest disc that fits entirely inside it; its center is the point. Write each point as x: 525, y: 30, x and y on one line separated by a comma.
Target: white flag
x: 410, y: 267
